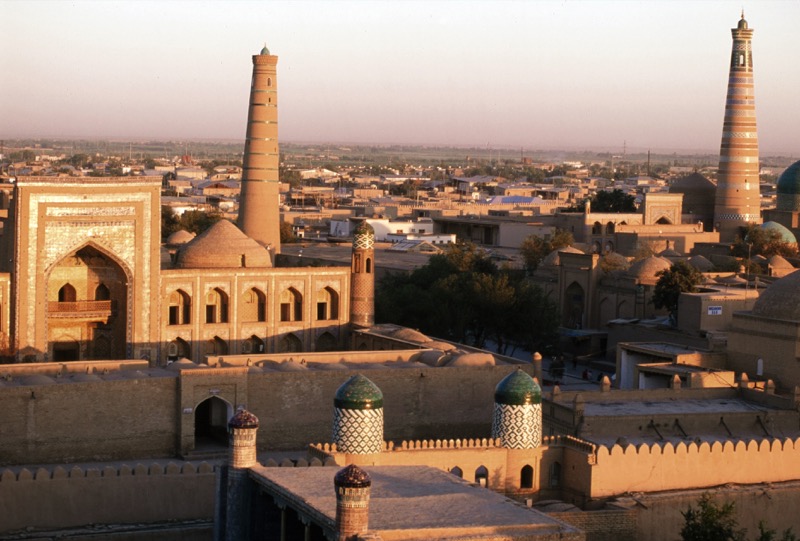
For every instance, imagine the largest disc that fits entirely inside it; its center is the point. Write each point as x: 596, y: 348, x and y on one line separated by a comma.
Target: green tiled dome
x: 358, y: 393
x: 789, y: 188
x: 517, y: 389
x: 786, y: 235
x: 265, y: 50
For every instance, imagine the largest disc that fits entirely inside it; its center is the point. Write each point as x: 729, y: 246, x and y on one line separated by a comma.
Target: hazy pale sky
x: 533, y: 74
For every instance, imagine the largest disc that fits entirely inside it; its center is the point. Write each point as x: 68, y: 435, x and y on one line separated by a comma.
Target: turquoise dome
x: 517, y: 389
x: 789, y: 188
x: 786, y: 235
x: 358, y: 393
x: 264, y: 50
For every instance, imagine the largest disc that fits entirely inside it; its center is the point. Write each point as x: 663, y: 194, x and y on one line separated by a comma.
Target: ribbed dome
x: 352, y: 477
x: 517, y: 389
x: 222, y: 245
x: 646, y: 269
x: 789, y: 188
x: 781, y: 300
x: 243, y: 419
x: 180, y: 237
x: 358, y: 393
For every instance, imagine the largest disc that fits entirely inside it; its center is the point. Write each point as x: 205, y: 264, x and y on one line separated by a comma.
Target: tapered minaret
x: 259, y: 214
x: 737, y: 202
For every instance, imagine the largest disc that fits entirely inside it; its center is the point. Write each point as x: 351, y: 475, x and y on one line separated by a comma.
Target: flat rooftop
x: 416, y: 502
x: 671, y: 407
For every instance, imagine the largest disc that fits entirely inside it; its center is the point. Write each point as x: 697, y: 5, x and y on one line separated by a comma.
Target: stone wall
x: 63, y: 498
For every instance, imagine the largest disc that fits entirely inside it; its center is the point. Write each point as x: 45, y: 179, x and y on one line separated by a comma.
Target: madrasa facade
x: 86, y: 276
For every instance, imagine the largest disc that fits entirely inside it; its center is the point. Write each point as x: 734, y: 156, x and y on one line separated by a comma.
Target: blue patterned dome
x: 786, y: 235
x: 358, y: 393
x: 517, y: 389
x: 789, y: 188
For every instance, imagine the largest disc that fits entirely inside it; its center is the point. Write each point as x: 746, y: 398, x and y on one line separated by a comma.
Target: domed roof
x: 646, y: 269
x: 694, y: 183
x: 781, y: 300
x: 615, y: 260
x: 181, y: 236
x: 779, y: 262
x: 264, y: 50
x: 669, y: 252
x: 352, y: 477
x: 358, y: 393
x: 742, y: 23
x: 788, y: 188
x: 364, y: 228
x: 517, y: 389
x: 553, y: 259
x: 471, y: 359
x: 701, y: 263
x: 243, y: 419
x: 786, y: 235
x: 223, y: 245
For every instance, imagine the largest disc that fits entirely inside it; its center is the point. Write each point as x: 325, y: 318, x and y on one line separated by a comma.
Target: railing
x: 80, y: 308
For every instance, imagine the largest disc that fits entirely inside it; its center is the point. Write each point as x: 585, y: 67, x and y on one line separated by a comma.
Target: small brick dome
x: 223, y: 245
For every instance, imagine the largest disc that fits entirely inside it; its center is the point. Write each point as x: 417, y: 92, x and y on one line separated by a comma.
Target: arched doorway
x: 573, y: 306
x: 211, y: 423
x: 526, y: 477
x: 326, y: 342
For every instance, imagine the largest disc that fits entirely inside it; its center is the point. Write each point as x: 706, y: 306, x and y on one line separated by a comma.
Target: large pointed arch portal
x: 87, y: 306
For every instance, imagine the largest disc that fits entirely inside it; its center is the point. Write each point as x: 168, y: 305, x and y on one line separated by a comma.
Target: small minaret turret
x: 234, y: 488
x: 738, y: 201
x: 517, y: 418
x: 352, y: 486
x: 358, y: 417
x: 362, y: 277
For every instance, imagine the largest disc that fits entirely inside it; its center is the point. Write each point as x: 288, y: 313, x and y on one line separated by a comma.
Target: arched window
x: 526, y: 477
x: 455, y: 470
x: 482, y: 476
x: 66, y: 293
x: 254, y: 344
x: 177, y: 349
x: 326, y: 342
x: 291, y: 305
x: 610, y: 228
x: 369, y: 265
x: 216, y: 346
x: 290, y: 344
x: 254, y: 306
x: 597, y: 228
x: 180, y: 308
x: 216, y: 306
x: 101, y: 293
x: 327, y: 304
x: 555, y: 474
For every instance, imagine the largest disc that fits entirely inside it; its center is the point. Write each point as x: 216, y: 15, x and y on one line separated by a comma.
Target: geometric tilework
x: 358, y: 432
x: 518, y: 427
x: 363, y: 242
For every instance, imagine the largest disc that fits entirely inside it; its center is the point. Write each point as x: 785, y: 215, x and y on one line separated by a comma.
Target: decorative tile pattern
x: 518, y: 427
x: 358, y: 432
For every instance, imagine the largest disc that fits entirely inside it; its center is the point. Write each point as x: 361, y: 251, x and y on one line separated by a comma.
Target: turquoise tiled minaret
x: 358, y: 417
x: 517, y: 419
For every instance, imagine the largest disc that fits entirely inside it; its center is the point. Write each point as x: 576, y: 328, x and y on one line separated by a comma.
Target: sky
x: 549, y: 75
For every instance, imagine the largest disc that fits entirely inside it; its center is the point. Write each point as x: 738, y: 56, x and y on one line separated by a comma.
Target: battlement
x: 9, y: 475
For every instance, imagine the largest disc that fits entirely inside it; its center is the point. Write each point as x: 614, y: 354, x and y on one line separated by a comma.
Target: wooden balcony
x: 81, y: 309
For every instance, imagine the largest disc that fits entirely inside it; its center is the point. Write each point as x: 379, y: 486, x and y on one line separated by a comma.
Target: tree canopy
x: 679, y: 278
x: 604, y: 201
x: 193, y: 221
x: 753, y: 240
x: 535, y: 248
x: 461, y: 295
x: 712, y: 522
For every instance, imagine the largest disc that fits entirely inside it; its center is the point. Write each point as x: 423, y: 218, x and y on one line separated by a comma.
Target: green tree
x: 534, y: 248
x: 679, y: 278
x: 287, y: 235
x: 766, y: 534
x: 603, y: 201
x: 710, y: 522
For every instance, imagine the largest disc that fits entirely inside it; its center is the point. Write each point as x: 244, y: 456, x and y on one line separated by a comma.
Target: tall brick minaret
x: 737, y: 201
x: 259, y: 215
